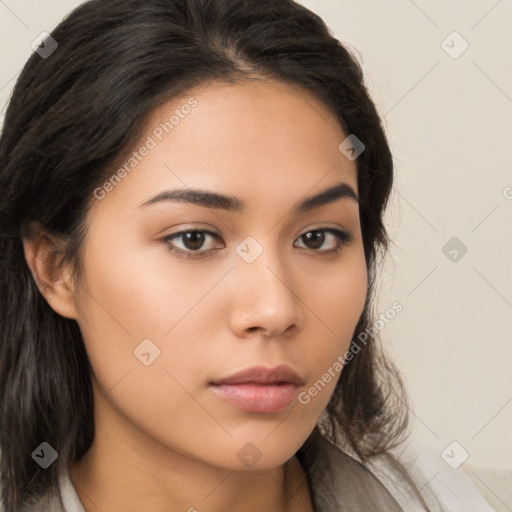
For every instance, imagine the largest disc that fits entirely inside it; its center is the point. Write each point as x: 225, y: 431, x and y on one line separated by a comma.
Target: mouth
x: 259, y: 389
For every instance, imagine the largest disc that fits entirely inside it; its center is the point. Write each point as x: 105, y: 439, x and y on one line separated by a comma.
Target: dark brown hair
x: 73, y: 115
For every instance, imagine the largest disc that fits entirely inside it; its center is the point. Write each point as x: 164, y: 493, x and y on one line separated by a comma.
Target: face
x: 178, y: 296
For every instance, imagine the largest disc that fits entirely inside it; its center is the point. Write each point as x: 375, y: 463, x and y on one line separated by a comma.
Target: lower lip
x: 260, y: 398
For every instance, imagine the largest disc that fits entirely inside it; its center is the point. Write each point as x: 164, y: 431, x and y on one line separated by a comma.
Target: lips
x: 260, y: 389
x: 263, y: 375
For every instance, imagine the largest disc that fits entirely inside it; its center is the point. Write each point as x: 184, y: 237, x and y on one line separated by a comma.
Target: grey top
x: 340, y: 483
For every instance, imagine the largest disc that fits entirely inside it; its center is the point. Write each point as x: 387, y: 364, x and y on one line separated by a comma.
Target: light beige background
x: 449, y: 124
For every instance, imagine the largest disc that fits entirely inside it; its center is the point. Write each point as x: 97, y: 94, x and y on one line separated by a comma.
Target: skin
x: 164, y: 441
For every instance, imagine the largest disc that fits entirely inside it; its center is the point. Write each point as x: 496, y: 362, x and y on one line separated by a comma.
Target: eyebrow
x: 211, y: 199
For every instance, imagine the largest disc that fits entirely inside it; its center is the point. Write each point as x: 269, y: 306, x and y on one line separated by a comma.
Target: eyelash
x: 343, y: 238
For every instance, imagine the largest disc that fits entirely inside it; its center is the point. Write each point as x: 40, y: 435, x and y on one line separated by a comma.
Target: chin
x: 256, y: 453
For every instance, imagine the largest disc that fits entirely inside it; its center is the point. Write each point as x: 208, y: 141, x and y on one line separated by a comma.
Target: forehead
x: 264, y: 139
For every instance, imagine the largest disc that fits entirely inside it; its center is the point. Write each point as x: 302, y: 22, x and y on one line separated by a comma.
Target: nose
x: 264, y: 299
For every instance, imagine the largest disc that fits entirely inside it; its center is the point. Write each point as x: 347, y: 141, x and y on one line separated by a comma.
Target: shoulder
x: 495, y: 485
x: 443, y: 487
x: 340, y: 482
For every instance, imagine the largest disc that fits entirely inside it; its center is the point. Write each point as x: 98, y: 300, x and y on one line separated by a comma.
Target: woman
x: 192, y: 207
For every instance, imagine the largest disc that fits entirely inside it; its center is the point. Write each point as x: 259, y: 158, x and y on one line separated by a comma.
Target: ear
x: 53, y: 280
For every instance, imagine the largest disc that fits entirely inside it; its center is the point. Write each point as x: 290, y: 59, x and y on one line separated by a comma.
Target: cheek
x: 129, y: 351
x: 337, y: 304
x: 150, y: 379
x: 338, y: 296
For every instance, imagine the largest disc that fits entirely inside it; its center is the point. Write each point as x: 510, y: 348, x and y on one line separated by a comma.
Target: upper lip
x: 263, y: 375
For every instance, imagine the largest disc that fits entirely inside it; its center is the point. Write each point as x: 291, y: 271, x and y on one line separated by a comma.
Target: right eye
x: 192, y: 241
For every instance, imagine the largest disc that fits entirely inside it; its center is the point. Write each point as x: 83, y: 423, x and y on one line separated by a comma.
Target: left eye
x: 193, y: 241
x: 317, y: 237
